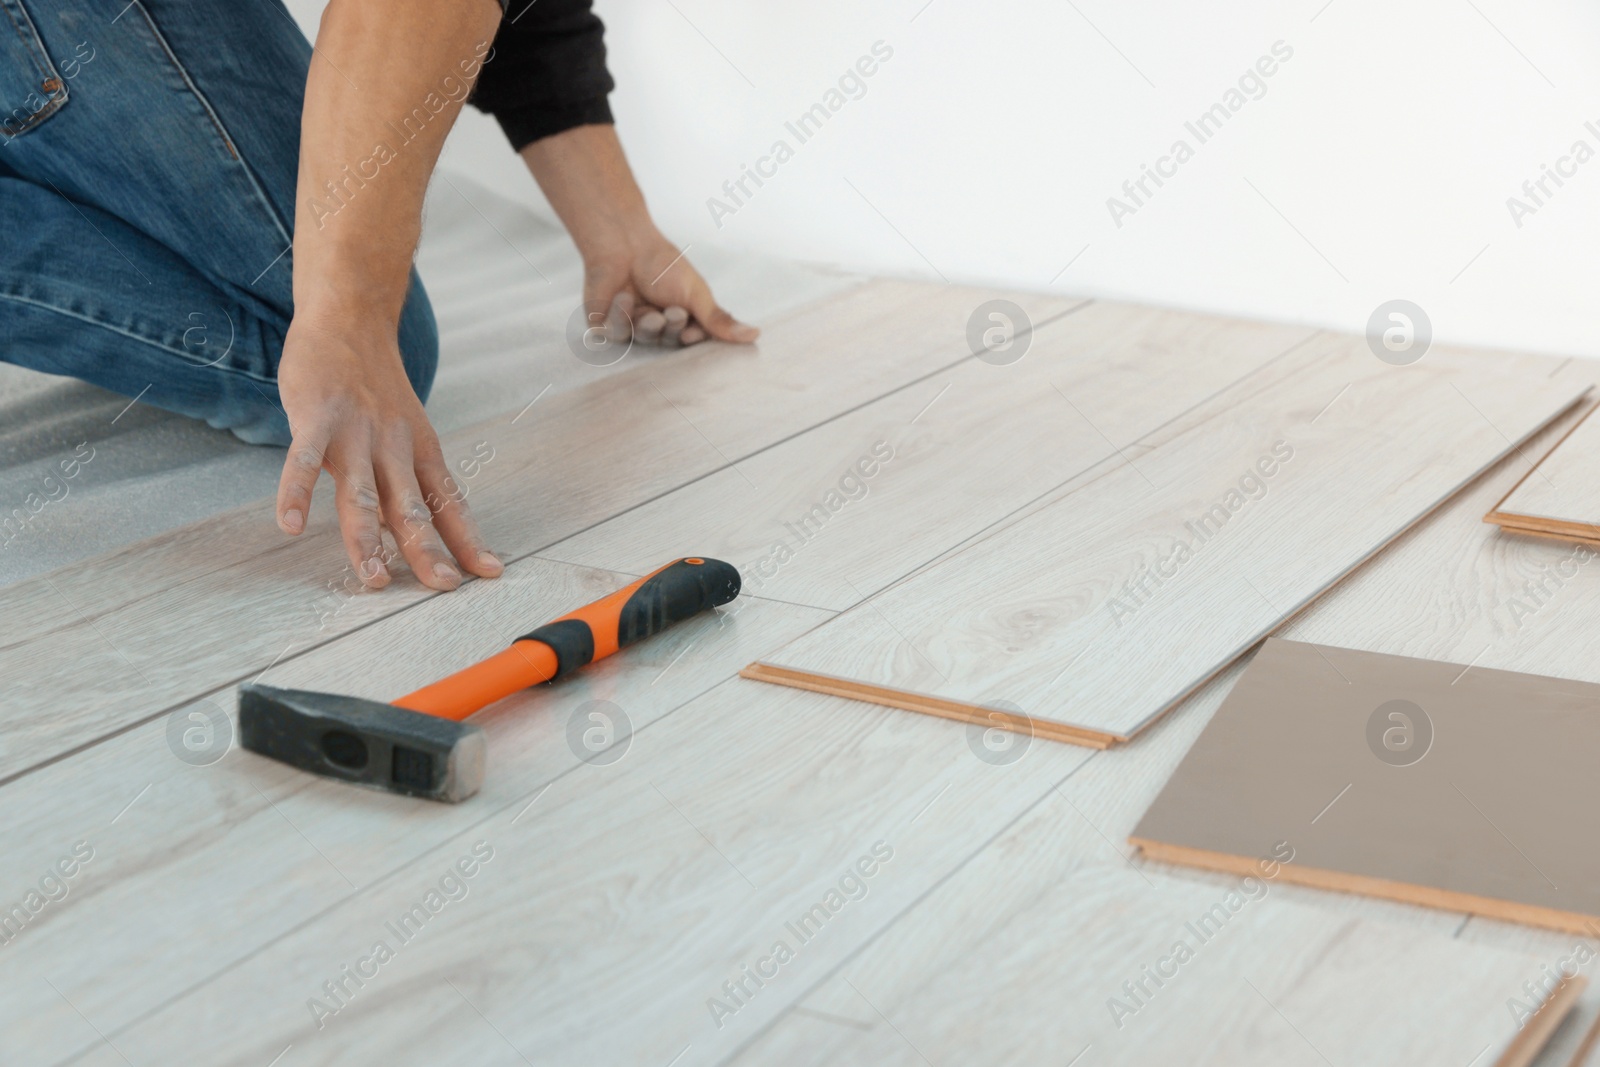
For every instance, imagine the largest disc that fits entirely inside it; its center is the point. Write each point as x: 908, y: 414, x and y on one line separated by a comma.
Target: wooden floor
x: 940, y: 899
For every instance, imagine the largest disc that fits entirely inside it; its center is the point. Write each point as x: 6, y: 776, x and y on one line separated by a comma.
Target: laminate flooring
x: 1091, y: 617
x: 625, y: 901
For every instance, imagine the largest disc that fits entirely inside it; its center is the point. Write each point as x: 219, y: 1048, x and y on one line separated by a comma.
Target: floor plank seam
x: 838, y: 969
x: 168, y: 709
x: 1022, y: 509
x: 1307, y: 339
x: 733, y: 464
x: 837, y: 1020
x: 380, y: 880
x: 1005, y: 520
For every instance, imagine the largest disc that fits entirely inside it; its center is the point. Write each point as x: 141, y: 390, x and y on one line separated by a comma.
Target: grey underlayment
x: 503, y: 282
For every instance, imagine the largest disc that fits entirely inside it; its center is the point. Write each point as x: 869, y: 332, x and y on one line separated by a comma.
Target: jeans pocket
x: 31, y: 90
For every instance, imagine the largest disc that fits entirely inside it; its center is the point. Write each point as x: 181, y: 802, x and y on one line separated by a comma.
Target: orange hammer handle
x: 682, y: 588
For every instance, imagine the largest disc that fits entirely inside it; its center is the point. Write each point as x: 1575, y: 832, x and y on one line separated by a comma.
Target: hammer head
x: 363, y: 741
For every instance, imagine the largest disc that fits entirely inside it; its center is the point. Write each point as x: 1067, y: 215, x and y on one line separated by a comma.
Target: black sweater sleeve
x: 547, y: 72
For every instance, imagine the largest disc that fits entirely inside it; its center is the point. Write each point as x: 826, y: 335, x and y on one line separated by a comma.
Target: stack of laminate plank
x: 971, y: 910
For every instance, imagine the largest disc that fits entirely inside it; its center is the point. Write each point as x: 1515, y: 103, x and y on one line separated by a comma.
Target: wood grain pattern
x: 968, y: 449
x: 1561, y: 496
x: 1289, y: 984
x: 110, y: 643
x: 1108, y: 580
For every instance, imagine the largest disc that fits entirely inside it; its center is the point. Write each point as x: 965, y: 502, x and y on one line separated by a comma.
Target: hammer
x: 418, y: 745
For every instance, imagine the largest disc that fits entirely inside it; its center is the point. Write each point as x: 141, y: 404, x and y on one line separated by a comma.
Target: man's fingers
x: 675, y: 318
x: 410, y: 519
x: 648, y: 326
x: 599, y: 290
x: 448, y: 502
x: 619, y: 320
x: 359, y: 520
x: 717, y: 322
x: 300, y: 471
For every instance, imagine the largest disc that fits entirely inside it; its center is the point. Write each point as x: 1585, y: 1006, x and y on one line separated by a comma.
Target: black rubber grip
x: 673, y: 594
x: 570, y: 639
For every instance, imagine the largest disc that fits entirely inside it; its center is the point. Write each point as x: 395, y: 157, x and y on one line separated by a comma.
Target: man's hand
x: 652, y: 294
x: 635, y: 280
x: 354, y: 414
x: 387, y: 80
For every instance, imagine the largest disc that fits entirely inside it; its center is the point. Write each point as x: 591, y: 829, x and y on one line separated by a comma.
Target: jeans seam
x: 216, y: 120
x: 184, y: 356
x: 43, y: 65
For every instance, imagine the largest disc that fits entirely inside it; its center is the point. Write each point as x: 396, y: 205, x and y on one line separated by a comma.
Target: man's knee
x: 419, y: 339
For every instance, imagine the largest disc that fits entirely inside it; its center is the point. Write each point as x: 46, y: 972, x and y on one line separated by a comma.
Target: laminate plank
x: 197, y: 866
x: 1561, y: 496
x: 1109, y: 578
x: 1455, y: 589
x: 947, y: 458
x: 1475, y: 806
x: 102, y: 646
x: 978, y: 971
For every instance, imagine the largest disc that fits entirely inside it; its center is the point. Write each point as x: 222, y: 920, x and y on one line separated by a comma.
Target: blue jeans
x: 148, y: 156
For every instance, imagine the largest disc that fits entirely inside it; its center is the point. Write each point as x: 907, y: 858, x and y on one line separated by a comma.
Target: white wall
x: 1376, y: 165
